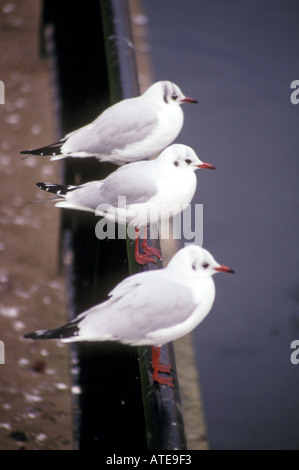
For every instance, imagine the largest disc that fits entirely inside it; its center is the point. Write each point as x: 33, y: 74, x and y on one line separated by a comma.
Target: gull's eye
x: 174, y: 97
x: 176, y: 163
x: 205, y: 265
x: 194, y: 266
x: 188, y: 161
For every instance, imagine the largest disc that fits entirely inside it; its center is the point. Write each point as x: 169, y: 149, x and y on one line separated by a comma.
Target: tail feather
x: 51, y: 199
x: 52, y: 150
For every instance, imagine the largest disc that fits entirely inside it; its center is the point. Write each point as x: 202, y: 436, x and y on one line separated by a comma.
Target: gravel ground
x: 35, y: 404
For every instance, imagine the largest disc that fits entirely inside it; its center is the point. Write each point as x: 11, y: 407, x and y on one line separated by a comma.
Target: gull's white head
x: 182, y: 157
x: 168, y: 93
x: 194, y: 262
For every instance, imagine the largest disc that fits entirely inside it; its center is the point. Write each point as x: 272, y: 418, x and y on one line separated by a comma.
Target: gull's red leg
x: 151, y: 249
x: 160, y: 368
x: 139, y: 257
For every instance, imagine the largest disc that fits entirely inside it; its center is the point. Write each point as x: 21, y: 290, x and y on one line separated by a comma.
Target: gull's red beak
x: 188, y: 100
x: 224, y: 269
x: 206, y: 166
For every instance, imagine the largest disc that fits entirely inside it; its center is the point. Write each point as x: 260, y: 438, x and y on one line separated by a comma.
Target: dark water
x: 238, y: 58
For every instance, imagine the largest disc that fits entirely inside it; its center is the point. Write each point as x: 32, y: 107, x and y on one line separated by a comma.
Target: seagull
x: 130, y: 130
x: 138, y: 194
x: 150, y: 308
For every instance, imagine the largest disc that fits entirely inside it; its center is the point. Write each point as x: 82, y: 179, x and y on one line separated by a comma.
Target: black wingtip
x: 67, y: 331
x: 42, y: 151
x: 44, y: 334
x: 36, y: 335
x: 59, y: 189
x: 42, y: 185
x: 52, y: 150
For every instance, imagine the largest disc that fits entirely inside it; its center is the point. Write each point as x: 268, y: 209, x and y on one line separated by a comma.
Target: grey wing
x: 85, y: 196
x: 134, y: 182
x: 149, y: 305
x: 126, y: 122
